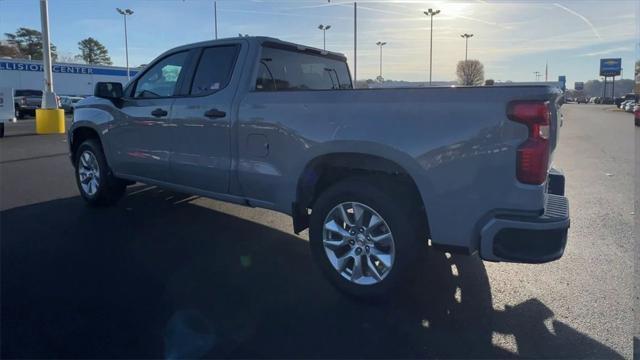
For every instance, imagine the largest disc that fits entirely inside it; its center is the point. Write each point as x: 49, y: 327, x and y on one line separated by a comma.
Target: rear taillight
x: 532, y: 159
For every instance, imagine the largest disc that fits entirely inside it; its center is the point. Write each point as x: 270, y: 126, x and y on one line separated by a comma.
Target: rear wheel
x: 96, y: 183
x: 363, y: 238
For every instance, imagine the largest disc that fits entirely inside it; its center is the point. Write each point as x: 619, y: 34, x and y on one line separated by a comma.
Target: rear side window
x: 214, y: 69
x: 281, y: 70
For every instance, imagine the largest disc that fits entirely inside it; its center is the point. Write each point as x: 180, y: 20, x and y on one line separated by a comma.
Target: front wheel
x: 363, y: 238
x: 96, y: 183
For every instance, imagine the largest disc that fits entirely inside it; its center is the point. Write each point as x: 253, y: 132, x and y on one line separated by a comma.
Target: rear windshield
x: 28, y: 93
x: 281, y: 70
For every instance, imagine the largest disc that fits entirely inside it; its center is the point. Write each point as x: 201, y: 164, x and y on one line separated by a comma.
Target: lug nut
x: 366, y: 248
x: 361, y: 230
x: 358, y: 251
x: 351, y: 242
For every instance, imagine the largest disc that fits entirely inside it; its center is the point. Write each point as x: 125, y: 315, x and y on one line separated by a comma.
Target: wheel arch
x: 326, y: 169
x: 79, y: 134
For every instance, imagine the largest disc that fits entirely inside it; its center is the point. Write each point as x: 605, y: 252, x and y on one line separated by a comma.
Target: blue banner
x: 610, y: 67
x: 64, y: 69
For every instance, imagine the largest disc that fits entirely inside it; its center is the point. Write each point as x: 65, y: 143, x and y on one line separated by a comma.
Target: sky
x: 513, y: 39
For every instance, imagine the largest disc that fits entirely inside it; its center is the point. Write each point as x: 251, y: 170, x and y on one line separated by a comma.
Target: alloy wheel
x: 358, y: 243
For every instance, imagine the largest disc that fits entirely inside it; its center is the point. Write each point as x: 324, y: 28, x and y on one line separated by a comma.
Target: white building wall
x: 68, y: 79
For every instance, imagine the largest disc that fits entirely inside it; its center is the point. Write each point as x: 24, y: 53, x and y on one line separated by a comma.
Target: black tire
x: 1, y: 129
x: 398, y: 213
x: 109, y: 189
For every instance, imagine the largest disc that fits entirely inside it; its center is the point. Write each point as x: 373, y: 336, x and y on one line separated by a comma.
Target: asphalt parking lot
x: 164, y: 274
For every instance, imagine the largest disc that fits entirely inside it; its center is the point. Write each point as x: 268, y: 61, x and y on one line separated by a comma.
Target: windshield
x: 28, y: 93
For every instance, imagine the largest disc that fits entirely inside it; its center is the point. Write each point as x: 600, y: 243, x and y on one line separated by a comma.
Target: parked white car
x: 628, y: 107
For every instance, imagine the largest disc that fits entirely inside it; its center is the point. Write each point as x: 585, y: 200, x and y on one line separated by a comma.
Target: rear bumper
x: 28, y: 108
x: 525, y: 239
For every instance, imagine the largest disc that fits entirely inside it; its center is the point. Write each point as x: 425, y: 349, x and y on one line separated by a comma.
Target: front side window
x: 161, y: 80
x: 293, y: 70
x: 214, y: 69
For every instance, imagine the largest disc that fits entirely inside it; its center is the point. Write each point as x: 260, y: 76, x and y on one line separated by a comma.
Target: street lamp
x: 466, y: 44
x: 431, y: 13
x: 125, y: 13
x: 381, y: 44
x: 324, y: 29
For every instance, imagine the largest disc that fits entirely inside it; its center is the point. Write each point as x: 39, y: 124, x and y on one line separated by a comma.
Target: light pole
x: 324, y: 29
x: 49, y: 97
x: 466, y: 44
x: 125, y: 13
x: 537, y: 74
x: 215, y: 18
x: 381, y: 44
x: 431, y: 13
x: 355, y: 44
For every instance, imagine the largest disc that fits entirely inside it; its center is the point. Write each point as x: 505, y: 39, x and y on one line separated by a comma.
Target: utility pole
x: 546, y: 72
x: 355, y: 43
x: 381, y: 44
x: 324, y: 29
x: 125, y: 13
x: 537, y: 74
x: 215, y: 18
x: 49, y: 119
x: 49, y: 97
x: 466, y: 44
x: 431, y: 13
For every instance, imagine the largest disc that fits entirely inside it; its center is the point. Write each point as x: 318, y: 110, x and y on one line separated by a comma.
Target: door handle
x: 159, y: 112
x: 215, y: 113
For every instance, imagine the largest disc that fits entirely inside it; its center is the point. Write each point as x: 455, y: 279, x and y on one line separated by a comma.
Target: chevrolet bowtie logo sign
x: 610, y: 67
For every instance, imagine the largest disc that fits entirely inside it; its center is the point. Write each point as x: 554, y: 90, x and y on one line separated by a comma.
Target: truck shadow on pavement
x: 158, y: 276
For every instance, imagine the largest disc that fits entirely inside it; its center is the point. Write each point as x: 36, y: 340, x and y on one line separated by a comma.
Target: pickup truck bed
x: 466, y: 167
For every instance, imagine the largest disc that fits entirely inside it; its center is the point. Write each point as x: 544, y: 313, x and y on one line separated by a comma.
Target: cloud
x: 593, y: 28
x: 608, y: 51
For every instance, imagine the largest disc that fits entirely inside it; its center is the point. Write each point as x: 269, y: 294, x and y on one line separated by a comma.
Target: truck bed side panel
x: 456, y: 143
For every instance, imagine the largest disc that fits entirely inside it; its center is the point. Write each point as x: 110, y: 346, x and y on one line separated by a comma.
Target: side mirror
x: 108, y: 90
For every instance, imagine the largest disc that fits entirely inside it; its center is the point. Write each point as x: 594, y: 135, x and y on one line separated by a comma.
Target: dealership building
x: 68, y: 79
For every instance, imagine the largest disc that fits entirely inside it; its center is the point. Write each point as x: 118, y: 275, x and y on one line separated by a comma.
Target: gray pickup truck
x: 377, y: 175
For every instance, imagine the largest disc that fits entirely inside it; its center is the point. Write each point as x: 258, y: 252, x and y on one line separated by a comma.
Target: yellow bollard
x: 50, y: 121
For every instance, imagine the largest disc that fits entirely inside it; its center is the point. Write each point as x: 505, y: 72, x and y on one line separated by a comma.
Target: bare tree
x: 470, y: 72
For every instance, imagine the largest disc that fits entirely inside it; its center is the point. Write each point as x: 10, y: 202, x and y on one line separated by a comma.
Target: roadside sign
x: 610, y: 67
x: 6, y: 104
x: 563, y: 80
x: 578, y: 86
